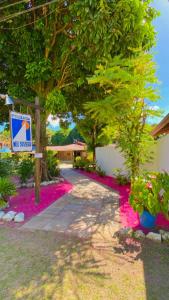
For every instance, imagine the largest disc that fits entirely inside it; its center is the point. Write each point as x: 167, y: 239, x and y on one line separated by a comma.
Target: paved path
x: 89, y: 208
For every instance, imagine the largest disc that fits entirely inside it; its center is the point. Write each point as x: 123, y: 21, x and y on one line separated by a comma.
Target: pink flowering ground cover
x: 24, y: 201
x: 128, y: 217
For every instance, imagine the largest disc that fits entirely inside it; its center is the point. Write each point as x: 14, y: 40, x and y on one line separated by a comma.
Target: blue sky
x: 162, y: 52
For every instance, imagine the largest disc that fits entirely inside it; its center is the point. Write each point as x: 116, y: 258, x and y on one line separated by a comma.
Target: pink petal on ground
x: 24, y: 201
x: 128, y: 217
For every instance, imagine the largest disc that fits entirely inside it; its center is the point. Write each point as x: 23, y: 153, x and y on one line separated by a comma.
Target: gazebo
x: 69, y: 152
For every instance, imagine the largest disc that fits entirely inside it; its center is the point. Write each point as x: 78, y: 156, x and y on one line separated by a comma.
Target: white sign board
x: 21, y: 132
x: 38, y: 155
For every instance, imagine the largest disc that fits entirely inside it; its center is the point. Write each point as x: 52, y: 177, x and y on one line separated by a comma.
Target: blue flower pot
x: 147, y: 220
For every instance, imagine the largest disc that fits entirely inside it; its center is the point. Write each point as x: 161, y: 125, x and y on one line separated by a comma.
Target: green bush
x: 77, y: 161
x: 151, y: 193
x: 52, y: 164
x: 6, y: 167
x: 3, y: 204
x: 7, y: 189
x: 88, y: 167
x: 100, y: 171
x: 120, y: 177
x: 26, y: 169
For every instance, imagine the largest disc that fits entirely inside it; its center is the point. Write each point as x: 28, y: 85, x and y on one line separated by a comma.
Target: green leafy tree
x: 49, y: 51
x: 59, y: 136
x: 127, y: 83
x: 93, y: 133
x: 50, y: 134
x: 73, y: 136
x: 66, y: 136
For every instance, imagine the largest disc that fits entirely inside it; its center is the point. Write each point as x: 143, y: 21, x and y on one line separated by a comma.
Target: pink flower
x: 149, y: 185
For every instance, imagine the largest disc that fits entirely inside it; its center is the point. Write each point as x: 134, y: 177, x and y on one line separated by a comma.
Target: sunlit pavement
x: 88, y: 209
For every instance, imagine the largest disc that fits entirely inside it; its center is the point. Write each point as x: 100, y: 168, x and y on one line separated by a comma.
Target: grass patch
x: 44, y: 266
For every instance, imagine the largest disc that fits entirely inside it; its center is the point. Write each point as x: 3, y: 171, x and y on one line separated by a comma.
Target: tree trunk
x: 135, y: 167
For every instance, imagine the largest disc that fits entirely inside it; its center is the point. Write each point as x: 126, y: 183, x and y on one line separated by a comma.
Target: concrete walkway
x: 88, y: 209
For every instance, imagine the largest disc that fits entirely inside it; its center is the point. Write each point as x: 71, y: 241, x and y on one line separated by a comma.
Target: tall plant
x: 129, y: 85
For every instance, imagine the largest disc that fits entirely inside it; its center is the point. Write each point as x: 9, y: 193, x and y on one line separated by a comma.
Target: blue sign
x: 21, y: 132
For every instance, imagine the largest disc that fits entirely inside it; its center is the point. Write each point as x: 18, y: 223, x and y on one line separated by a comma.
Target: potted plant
x: 150, y: 196
x: 7, y: 189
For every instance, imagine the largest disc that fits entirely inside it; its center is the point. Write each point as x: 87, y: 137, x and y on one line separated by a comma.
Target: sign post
x: 21, y: 135
x: 38, y: 150
x: 21, y: 132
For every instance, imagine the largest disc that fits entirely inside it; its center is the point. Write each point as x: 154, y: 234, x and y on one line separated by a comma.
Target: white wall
x: 163, y: 153
x: 109, y: 157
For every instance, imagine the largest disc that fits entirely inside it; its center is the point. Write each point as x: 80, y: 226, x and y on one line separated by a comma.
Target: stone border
x: 161, y: 236
x: 44, y: 183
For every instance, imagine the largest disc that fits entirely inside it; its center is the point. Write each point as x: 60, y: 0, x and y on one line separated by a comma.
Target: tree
x: 61, y: 44
x: 37, y: 63
x: 59, y: 136
x: 50, y: 134
x: 73, y: 136
x: 93, y: 133
x: 127, y: 83
x: 66, y: 136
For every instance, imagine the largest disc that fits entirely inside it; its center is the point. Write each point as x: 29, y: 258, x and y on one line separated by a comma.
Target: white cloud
x: 154, y: 107
x: 53, y: 120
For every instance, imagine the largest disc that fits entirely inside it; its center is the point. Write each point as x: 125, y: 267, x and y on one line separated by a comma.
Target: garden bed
x: 128, y: 217
x: 24, y: 201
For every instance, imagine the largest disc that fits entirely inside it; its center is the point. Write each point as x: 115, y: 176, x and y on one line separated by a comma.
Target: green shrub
x: 100, y: 171
x: 88, y: 167
x: 83, y: 164
x: 7, y: 189
x: 52, y: 164
x: 151, y: 193
x: 3, y: 204
x: 76, y: 163
x: 79, y: 163
x: 120, y: 177
x: 26, y: 169
x: 6, y: 167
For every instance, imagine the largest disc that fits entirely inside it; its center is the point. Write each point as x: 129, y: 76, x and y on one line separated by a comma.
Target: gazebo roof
x: 71, y: 147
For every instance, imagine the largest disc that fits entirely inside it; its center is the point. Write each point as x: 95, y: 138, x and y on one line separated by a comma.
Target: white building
x: 110, y: 157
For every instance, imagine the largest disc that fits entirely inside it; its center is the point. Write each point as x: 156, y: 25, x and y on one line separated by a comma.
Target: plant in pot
x: 144, y: 199
x: 7, y: 189
x: 150, y: 196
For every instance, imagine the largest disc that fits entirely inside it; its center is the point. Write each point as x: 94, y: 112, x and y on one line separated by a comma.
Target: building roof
x: 162, y: 127
x: 71, y: 147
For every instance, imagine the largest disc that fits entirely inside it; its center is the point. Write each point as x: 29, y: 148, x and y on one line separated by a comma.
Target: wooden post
x: 38, y: 150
